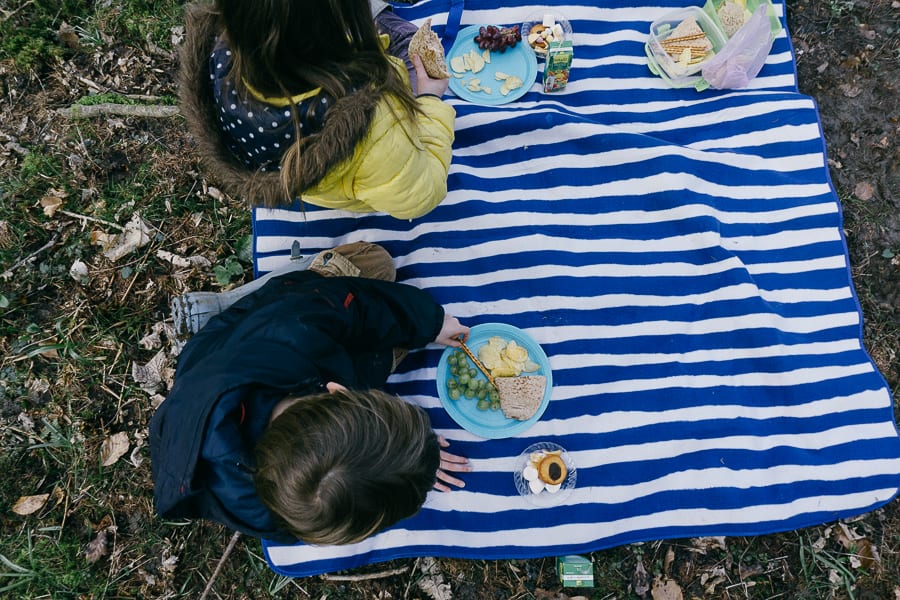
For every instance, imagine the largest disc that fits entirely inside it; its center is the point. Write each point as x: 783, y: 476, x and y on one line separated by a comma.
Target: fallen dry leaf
x: 182, y: 262
x: 67, y: 35
x: 866, y: 556
x: 666, y: 589
x: 711, y: 578
x: 135, y: 235
x: 864, y: 190
x: 96, y: 548
x: 113, y: 448
x: 50, y: 204
x: 667, y: 562
x: 704, y: 544
x: 154, y: 339
x: 152, y: 375
x: 27, y: 505
x: 640, y: 581
x: 6, y: 239
x: 432, y: 581
x: 136, y: 459
x: 850, y: 90
x: 79, y: 272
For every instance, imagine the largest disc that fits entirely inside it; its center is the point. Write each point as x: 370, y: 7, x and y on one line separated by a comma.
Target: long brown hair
x: 285, y: 47
x: 337, y: 468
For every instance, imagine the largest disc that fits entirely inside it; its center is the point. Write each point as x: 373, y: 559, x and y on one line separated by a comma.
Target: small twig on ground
x: 212, y: 578
x: 102, y: 89
x: 87, y: 218
x: 365, y: 577
x: 9, y: 272
x: 86, y: 111
x: 410, y: 580
x: 8, y: 13
x: 90, y: 83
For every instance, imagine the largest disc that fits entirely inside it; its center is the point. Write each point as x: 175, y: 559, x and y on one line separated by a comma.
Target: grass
x: 67, y: 351
x: 29, y: 29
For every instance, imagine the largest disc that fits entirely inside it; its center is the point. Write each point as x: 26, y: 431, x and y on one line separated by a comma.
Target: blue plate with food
x: 517, y: 364
x: 487, y: 76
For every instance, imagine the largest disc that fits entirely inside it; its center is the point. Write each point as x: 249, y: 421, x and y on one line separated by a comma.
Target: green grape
x: 484, y: 405
x: 451, y: 360
x: 495, y: 405
x: 454, y: 371
x: 464, y: 379
x: 482, y: 393
x: 454, y: 393
x: 452, y: 383
x: 473, y: 372
x: 468, y: 393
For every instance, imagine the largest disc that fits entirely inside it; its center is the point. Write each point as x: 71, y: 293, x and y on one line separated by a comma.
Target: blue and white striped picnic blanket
x: 679, y: 257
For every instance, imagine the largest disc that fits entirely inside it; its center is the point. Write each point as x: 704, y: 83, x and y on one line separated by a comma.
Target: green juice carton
x: 575, y: 571
x: 559, y: 63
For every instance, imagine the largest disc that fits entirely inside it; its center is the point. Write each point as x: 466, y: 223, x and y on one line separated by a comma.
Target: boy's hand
x: 424, y: 83
x: 450, y: 331
x: 450, y: 462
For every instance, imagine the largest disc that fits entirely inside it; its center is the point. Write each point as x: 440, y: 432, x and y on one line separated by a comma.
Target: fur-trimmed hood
x: 346, y: 124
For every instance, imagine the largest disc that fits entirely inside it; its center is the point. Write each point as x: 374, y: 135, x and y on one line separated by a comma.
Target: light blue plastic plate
x: 492, y: 424
x: 518, y: 60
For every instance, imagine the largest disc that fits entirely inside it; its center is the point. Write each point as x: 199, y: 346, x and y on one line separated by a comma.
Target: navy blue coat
x: 298, y: 332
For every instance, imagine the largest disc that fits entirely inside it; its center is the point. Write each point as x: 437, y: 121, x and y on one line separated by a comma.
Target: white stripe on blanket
x: 679, y: 257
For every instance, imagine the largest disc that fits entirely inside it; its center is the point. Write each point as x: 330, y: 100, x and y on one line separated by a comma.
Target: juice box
x: 559, y: 62
x: 575, y: 571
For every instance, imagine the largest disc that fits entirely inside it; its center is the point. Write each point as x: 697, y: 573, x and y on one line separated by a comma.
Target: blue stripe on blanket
x: 680, y: 258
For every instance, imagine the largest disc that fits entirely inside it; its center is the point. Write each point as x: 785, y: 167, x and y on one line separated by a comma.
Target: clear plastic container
x: 674, y: 72
x: 546, y: 18
x: 712, y: 9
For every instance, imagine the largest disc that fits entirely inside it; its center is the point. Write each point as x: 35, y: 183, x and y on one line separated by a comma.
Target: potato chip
x: 490, y: 356
x: 516, y: 352
x: 504, y: 371
x: 505, y: 358
x: 474, y: 61
x: 458, y: 64
x: 498, y: 342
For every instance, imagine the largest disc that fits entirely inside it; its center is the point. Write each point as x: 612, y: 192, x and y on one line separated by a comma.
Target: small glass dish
x: 539, y: 18
x: 544, y: 497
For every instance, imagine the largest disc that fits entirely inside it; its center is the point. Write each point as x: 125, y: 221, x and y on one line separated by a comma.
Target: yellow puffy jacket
x: 396, y: 167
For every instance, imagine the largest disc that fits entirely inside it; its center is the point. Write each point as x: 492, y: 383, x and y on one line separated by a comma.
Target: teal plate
x: 518, y: 60
x: 492, y: 424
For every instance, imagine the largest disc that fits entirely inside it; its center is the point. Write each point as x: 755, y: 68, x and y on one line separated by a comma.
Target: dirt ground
x: 848, y: 59
x: 848, y: 55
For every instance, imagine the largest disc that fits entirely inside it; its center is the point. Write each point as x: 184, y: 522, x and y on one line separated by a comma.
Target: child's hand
x: 450, y: 462
x: 424, y: 83
x: 450, y: 331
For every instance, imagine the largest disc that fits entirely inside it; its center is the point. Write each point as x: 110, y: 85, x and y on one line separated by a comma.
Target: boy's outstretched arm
x: 451, y: 331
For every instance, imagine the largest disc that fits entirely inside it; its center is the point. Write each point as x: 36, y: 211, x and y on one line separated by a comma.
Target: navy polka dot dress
x: 258, y: 133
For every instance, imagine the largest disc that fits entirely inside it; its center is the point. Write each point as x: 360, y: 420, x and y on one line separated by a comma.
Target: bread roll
x: 427, y: 45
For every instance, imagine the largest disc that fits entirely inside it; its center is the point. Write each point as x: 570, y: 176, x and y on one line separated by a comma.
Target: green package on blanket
x: 559, y: 62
